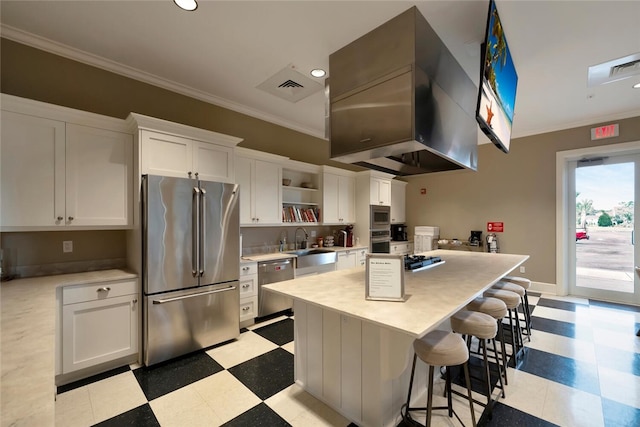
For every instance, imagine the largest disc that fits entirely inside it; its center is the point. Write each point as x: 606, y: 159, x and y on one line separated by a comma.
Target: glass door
x: 603, y: 254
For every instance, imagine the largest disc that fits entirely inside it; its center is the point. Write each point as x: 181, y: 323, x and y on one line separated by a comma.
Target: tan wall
x: 518, y: 189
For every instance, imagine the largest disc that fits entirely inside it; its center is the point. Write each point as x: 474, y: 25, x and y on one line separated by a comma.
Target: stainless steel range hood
x: 400, y: 102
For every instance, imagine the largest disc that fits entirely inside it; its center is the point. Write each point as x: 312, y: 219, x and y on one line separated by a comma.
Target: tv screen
x: 498, y: 82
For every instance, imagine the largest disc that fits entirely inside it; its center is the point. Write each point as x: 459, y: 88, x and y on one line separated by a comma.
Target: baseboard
x: 545, y: 288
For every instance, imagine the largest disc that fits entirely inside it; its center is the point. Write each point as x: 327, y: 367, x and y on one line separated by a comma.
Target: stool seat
x: 474, y: 323
x: 520, y: 281
x: 492, y: 306
x: 509, y: 286
x: 441, y: 348
x: 511, y: 299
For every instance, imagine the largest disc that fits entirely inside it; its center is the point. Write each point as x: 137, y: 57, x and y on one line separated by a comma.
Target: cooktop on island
x: 416, y: 262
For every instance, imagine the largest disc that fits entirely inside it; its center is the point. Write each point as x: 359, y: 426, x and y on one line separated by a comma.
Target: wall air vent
x: 289, y: 84
x: 611, y: 71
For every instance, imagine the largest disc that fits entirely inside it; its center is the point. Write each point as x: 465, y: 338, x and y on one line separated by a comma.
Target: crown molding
x: 47, y: 45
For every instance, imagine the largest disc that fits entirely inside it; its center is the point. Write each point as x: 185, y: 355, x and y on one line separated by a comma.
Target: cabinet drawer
x: 248, y: 268
x: 248, y: 308
x: 249, y: 286
x: 98, y: 291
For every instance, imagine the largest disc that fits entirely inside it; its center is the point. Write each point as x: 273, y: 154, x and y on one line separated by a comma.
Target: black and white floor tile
x: 581, y: 368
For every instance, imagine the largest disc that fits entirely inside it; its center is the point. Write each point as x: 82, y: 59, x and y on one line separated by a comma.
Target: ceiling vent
x: 611, y: 71
x: 290, y: 84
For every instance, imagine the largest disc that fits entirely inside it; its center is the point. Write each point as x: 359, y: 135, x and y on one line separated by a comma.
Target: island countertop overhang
x: 433, y: 295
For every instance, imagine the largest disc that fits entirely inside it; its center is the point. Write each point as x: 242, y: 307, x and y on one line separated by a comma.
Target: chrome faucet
x: 295, y: 238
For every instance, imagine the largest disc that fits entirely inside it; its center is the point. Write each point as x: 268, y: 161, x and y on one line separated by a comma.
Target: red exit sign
x: 607, y: 131
x: 495, y: 227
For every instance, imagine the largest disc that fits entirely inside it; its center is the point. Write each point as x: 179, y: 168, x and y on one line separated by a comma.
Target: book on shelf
x: 297, y: 214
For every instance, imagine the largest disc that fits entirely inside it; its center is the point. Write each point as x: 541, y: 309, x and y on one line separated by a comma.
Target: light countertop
x: 284, y: 255
x: 28, y: 344
x: 433, y: 295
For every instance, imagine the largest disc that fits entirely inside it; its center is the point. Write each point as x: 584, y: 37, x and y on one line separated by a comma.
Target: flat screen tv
x: 498, y: 82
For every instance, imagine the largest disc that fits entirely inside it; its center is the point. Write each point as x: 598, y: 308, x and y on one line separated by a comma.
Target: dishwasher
x: 273, y: 271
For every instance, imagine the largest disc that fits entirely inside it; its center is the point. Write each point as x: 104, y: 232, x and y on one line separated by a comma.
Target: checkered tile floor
x: 581, y: 368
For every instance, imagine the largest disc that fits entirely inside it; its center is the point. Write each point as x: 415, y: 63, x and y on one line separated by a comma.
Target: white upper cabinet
x: 398, y: 202
x: 380, y: 190
x: 172, y: 149
x: 99, y: 177
x: 338, y: 197
x: 57, y: 173
x: 259, y: 176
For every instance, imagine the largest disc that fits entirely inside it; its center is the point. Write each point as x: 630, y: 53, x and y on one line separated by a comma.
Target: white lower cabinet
x: 361, y: 257
x: 248, y: 291
x: 401, y: 248
x: 100, y: 323
x: 346, y: 259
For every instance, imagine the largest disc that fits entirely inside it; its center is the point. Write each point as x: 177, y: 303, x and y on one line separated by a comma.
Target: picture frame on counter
x: 384, y: 280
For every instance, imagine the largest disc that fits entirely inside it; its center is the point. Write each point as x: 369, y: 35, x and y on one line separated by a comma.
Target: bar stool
x: 512, y: 300
x: 526, y: 284
x: 521, y: 291
x: 498, y: 310
x: 440, y: 348
x: 485, y: 328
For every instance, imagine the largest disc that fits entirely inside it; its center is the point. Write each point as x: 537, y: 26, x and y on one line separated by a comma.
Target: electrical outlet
x: 313, y: 233
x: 522, y: 269
x: 67, y: 246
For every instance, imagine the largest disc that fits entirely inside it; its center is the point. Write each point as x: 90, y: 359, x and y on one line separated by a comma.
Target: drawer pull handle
x: 105, y: 289
x: 246, y: 308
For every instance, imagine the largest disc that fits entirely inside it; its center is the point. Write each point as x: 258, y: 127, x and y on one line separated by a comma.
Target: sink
x: 313, y: 257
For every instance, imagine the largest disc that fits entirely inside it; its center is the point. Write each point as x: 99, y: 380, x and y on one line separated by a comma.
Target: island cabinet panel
x: 351, y: 354
x: 331, y: 359
x: 314, y: 350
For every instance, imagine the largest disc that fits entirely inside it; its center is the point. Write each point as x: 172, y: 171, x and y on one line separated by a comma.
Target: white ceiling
x: 225, y: 49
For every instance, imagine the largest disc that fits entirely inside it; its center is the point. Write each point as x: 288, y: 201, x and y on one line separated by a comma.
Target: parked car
x: 582, y: 234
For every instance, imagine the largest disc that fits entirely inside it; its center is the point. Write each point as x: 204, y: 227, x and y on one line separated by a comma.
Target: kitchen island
x: 354, y: 354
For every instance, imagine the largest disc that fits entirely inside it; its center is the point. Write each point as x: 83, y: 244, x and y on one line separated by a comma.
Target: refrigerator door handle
x: 166, y: 300
x: 203, y: 232
x: 195, y: 232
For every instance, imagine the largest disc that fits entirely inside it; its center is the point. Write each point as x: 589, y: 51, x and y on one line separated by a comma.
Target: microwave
x: 380, y: 217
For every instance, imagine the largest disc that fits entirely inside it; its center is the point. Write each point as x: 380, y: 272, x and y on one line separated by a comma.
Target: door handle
x: 195, y: 235
x: 203, y: 232
x: 166, y: 300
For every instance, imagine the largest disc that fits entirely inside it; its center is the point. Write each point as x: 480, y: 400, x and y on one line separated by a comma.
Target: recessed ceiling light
x: 189, y: 5
x: 318, y: 72
x: 636, y: 86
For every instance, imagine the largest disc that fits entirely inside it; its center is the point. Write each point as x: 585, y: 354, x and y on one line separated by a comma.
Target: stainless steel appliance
x: 380, y: 218
x: 380, y: 241
x: 400, y: 102
x: 271, y: 272
x: 190, y: 245
x: 398, y: 232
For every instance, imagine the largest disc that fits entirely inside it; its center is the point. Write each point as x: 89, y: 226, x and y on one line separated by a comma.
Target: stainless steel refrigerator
x: 190, y: 246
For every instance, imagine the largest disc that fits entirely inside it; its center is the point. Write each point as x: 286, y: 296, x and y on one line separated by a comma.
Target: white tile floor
x: 581, y: 368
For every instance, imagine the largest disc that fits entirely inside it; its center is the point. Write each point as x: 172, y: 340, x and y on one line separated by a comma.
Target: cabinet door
x: 32, y: 171
x: 98, y: 331
x: 330, y: 194
x: 339, y: 205
x: 99, y: 176
x: 346, y: 259
x: 347, y: 199
x: 268, y: 195
x: 244, y: 179
x: 213, y: 162
x: 166, y: 155
x: 380, y: 192
x: 398, y: 202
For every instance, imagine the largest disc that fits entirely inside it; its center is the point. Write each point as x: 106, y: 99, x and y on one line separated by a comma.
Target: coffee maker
x: 398, y: 232
x: 345, y: 237
x: 475, y: 238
